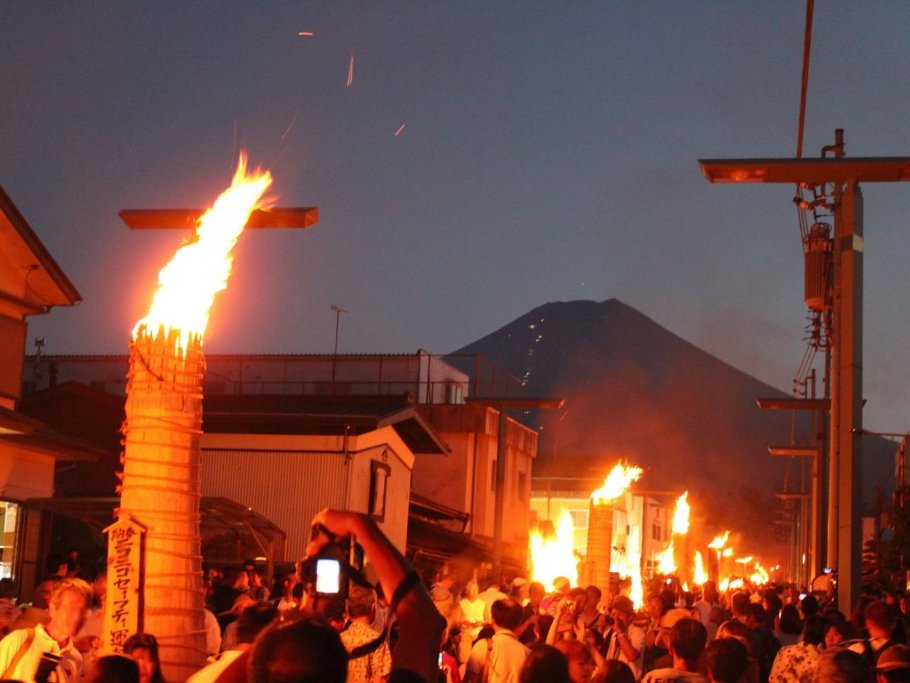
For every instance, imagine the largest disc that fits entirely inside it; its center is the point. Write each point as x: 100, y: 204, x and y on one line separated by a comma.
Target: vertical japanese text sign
x: 122, y: 608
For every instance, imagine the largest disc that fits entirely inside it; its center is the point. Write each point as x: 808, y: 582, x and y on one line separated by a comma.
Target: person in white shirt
x: 501, y: 659
x: 624, y: 640
x: 472, y: 613
x: 21, y: 651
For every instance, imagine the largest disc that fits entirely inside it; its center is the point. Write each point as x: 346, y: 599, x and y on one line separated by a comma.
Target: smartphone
x: 328, y: 576
x: 440, y: 660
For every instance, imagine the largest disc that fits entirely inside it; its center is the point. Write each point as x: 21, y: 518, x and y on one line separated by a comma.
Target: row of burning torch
x: 555, y: 554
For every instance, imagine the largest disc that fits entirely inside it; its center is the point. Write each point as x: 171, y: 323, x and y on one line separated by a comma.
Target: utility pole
x: 846, y: 290
x: 338, y: 311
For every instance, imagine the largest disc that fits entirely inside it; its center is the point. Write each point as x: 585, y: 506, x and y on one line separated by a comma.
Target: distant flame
x: 759, y: 575
x: 728, y: 552
x: 681, y: 515
x: 666, y: 563
x: 719, y: 541
x: 616, y: 483
x: 743, y: 560
x: 199, y: 269
x: 554, y: 556
x: 701, y: 576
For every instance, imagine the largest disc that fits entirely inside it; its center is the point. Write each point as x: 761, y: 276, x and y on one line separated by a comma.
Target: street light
x: 338, y: 311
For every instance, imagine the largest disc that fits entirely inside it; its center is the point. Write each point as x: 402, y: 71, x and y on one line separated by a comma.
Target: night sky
x: 549, y: 154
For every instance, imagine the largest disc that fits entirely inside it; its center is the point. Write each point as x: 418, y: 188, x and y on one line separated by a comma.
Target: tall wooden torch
x: 600, y: 523
x: 154, y: 549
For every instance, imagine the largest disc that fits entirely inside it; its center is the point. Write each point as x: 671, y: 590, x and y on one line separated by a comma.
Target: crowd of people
x: 394, y: 625
x: 749, y: 635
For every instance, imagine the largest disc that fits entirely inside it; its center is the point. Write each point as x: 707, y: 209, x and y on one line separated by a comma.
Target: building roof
x: 315, y: 414
x: 18, y: 430
x: 47, y: 283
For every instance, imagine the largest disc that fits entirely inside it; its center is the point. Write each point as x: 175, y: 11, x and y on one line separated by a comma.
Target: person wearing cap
x: 624, y: 640
x: 894, y: 665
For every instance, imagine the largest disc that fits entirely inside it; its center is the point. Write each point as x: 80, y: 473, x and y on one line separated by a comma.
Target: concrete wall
x: 288, y: 478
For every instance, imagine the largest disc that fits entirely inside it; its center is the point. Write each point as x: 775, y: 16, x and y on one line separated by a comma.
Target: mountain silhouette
x: 635, y: 390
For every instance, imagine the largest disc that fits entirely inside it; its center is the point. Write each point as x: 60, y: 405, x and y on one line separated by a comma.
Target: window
x: 9, y: 516
x: 522, y: 483
x: 492, y: 475
x: 579, y: 519
x: 379, y: 478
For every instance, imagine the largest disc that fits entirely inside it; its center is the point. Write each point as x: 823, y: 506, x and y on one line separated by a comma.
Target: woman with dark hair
x: 143, y: 647
x: 837, y: 630
x: 113, y: 669
x: 799, y: 662
x: 790, y: 627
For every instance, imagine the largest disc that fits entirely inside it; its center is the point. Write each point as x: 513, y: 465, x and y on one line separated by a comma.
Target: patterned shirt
x: 370, y: 667
x: 795, y: 664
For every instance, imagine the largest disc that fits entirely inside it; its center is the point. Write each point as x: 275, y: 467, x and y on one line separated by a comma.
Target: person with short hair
x: 500, y: 659
x: 251, y: 622
x: 372, y: 665
x: 304, y: 650
x: 879, y: 622
x: 687, y: 641
x: 545, y: 664
x: 727, y: 660
x: 894, y: 665
x: 22, y: 650
x: 843, y: 666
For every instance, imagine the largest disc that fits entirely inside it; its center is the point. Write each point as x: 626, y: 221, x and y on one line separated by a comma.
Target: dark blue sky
x: 549, y: 154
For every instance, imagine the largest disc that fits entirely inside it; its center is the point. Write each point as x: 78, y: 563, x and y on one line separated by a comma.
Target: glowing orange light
x: 554, y: 556
x: 666, y: 563
x: 718, y: 542
x: 616, y: 483
x: 701, y: 576
x: 199, y: 269
x: 681, y: 515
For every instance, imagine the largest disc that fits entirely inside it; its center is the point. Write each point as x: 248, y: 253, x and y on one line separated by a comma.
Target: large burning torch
x: 154, y: 580
x: 600, y: 522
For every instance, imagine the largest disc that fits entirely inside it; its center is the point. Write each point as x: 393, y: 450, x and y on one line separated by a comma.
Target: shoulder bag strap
x: 20, y: 653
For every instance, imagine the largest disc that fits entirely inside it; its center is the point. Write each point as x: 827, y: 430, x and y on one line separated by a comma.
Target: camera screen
x: 328, y: 575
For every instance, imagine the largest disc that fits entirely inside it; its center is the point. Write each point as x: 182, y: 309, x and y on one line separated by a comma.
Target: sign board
x: 122, y: 608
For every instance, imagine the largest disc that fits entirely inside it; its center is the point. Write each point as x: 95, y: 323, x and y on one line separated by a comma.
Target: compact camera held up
x: 328, y: 573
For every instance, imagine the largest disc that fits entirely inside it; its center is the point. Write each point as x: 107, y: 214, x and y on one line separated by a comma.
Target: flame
x: 616, y: 483
x: 666, y: 563
x: 743, y: 560
x: 199, y: 269
x: 719, y: 542
x: 554, y: 556
x: 701, y: 576
x: 681, y: 515
x: 759, y: 575
x: 724, y: 585
x: 728, y: 552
